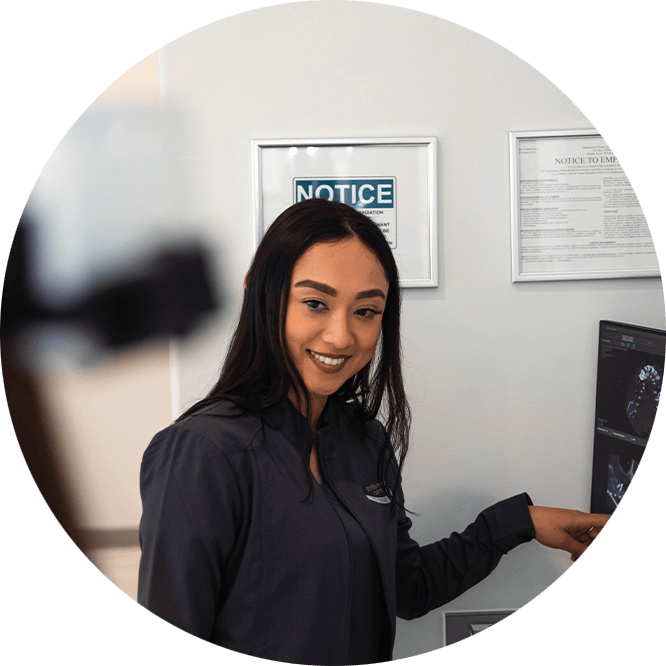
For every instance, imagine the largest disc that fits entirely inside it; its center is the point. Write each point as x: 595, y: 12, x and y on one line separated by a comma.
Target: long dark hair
x: 258, y: 371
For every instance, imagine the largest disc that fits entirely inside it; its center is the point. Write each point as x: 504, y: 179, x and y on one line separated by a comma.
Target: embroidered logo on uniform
x: 375, y: 493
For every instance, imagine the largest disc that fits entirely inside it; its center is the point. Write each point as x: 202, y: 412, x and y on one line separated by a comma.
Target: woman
x: 273, y: 517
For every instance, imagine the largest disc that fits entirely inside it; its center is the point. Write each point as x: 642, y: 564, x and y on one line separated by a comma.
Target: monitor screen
x: 630, y: 368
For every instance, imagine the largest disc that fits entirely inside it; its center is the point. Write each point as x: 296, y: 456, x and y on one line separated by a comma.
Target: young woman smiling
x: 334, y: 313
x: 273, y: 516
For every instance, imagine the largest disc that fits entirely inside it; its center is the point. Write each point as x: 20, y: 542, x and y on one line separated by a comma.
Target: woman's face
x: 334, y: 313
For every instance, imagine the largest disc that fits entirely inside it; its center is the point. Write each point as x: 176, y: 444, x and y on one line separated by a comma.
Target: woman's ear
x: 245, y: 280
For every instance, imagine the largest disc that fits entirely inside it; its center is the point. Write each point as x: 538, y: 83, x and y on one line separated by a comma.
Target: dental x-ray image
x: 643, y: 398
x: 630, y: 370
x: 620, y: 473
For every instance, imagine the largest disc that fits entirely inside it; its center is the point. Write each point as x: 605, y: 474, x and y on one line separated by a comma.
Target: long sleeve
x: 430, y: 576
x: 190, y: 526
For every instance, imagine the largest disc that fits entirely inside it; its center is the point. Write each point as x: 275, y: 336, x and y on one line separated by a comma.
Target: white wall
x: 500, y: 375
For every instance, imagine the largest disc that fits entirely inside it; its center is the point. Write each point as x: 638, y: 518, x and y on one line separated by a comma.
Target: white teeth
x: 327, y: 360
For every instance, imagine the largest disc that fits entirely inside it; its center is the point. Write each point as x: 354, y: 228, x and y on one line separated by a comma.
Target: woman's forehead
x: 345, y: 263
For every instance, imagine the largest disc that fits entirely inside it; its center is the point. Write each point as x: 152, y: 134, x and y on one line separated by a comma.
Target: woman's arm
x: 192, y: 512
x: 429, y: 576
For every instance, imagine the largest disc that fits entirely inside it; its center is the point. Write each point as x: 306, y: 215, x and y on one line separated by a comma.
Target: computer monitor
x: 630, y: 368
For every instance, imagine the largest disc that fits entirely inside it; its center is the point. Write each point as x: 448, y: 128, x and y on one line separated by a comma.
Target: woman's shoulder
x: 206, y: 450
x: 221, y: 427
x: 223, y: 420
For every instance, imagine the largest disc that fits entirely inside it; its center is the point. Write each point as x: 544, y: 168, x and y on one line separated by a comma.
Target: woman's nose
x: 338, y: 332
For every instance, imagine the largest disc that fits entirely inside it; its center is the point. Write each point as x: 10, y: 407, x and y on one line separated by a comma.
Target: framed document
x: 574, y: 214
x: 393, y: 181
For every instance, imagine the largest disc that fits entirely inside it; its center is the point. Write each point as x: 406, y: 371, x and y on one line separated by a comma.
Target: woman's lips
x: 328, y: 362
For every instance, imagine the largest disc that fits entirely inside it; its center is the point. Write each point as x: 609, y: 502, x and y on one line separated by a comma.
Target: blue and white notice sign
x: 375, y: 197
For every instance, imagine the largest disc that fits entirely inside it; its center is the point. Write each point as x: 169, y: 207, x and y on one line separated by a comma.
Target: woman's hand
x: 568, y: 530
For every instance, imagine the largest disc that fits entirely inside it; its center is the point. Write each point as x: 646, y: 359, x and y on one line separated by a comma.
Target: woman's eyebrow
x: 320, y: 286
x: 370, y: 293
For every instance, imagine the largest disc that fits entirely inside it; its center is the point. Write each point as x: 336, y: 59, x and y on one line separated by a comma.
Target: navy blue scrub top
x: 368, y: 622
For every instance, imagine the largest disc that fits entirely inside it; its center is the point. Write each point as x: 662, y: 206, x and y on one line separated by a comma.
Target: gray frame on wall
x: 463, y: 624
x: 574, y: 214
x: 398, y: 175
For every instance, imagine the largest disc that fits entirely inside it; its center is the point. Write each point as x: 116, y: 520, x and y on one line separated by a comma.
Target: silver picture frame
x: 459, y: 625
x: 392, y: 180
x: 574, y: 214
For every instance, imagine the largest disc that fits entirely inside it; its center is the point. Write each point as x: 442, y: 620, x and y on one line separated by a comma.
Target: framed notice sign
x: 574, y: 214
x: 392, y: 181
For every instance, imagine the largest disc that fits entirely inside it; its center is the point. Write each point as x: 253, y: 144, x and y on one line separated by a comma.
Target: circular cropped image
x: 332, y: 333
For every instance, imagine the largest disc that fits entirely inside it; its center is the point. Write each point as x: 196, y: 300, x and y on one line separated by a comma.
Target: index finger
x: 597, y: 519
x: 593, y: 522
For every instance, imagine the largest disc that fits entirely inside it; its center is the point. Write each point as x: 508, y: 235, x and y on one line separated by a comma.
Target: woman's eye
x: 315, y: 306
x: 368, y: 313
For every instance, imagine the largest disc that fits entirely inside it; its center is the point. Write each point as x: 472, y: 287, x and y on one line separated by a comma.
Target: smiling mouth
x: 328, y: 360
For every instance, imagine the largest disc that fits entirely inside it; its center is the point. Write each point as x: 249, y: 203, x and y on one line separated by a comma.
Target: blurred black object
x: 167, y: 295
